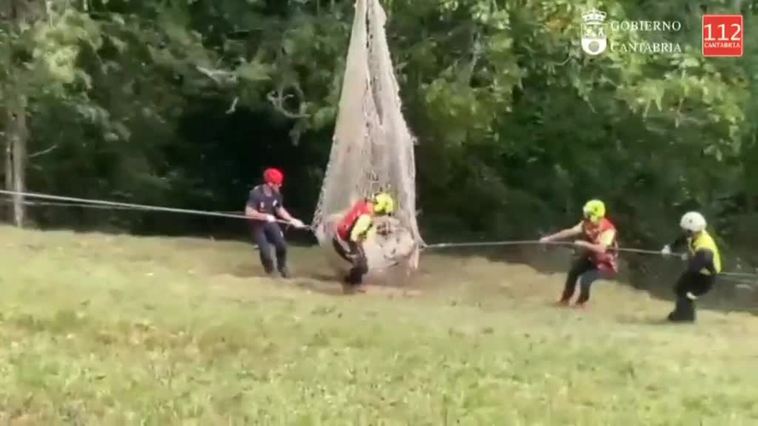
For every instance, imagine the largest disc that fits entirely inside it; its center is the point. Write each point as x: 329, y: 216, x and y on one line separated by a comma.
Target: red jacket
x: 345, y: 226
x: 607, y: 261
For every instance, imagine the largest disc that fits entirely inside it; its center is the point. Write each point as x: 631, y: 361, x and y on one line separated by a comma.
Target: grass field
x: 117, y: 330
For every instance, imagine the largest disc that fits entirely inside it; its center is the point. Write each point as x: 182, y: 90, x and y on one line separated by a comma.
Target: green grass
x: 102, y: 329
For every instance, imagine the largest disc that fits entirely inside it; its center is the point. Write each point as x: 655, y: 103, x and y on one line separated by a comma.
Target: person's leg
x: 264, y: 248
x: 585, y: 282
x: 579, y: 266
x: 275, y: 235
x: 702, y: 285
x: 360, y: 265
x: 340, y: 249
x: 683, y: 308
x: 699, y: 285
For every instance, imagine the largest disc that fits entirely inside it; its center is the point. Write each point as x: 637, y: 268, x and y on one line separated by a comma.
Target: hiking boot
x: 284, y: 272
x: 680, y: 318
x: 684, y: 311
x: 351, y: 288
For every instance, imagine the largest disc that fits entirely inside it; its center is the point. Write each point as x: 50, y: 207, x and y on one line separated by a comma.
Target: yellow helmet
x: 594, y: 210
x: 383, y: 203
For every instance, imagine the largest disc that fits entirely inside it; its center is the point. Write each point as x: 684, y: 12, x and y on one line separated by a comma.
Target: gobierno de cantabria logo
x: 636, y: 36
x: 594, y: 39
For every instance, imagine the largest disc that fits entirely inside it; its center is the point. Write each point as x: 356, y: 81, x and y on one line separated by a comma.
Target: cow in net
x: 372, y: 150
x: 392, y: 251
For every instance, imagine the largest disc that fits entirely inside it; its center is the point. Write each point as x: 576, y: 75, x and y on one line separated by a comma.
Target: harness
x: 345, y: 226
x: 607, y: 261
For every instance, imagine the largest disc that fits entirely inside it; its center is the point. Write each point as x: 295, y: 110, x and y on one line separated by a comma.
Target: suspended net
x: 372, y: 150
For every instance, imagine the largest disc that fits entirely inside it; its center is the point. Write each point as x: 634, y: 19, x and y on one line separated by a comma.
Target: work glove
x: 666, y: 250
x: 270, y: 218
x: 297, y: 223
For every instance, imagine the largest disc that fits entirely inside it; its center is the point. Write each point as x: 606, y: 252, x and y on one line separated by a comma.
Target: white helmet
x: 693, y: 222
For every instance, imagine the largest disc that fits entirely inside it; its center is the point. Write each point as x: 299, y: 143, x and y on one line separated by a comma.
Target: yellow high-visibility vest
x: 704, y: 241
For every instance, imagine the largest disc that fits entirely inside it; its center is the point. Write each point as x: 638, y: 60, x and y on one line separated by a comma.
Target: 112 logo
x: 723, y: 36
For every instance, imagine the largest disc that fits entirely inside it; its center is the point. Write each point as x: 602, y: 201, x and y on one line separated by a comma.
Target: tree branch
x: 233, y: 106
x: 277, y: 99
x: 219, y: 76
x: 43, y: 152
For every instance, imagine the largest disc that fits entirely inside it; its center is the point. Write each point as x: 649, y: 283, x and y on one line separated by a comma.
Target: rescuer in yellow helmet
x: 355, y: 227
x: 599, y: 257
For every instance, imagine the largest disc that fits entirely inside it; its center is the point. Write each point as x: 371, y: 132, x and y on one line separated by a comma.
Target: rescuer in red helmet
x: 264, y: 204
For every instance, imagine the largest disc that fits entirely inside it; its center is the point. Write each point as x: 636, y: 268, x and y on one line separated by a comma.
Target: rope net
x: 372, y: 150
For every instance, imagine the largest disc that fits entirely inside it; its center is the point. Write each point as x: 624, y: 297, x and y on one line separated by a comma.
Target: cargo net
x: 372, y: 150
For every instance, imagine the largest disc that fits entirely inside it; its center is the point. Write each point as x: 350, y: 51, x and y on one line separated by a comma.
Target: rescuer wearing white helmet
x: 704, y: 265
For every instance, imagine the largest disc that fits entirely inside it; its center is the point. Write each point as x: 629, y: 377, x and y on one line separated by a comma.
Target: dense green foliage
x: 183, y: 102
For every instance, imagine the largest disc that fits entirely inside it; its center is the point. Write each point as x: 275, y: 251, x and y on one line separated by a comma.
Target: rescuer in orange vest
x: 354, y: 228
x: 599, y: 259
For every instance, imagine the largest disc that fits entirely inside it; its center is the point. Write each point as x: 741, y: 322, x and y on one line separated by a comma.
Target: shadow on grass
x: 651, y: 274
x: 329, y: 288
x: 646, y: 320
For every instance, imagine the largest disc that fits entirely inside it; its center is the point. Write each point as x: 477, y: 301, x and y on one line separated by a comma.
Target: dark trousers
x: 356, y: 256
x: 689, y: 287
x: 266, y: 235
x: 583, y: 272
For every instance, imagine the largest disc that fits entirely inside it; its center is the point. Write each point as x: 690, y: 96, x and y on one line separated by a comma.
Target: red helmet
x: 273, y: 176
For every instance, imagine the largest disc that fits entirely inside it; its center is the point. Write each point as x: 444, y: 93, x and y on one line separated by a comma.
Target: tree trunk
x: 19, y: 164
x: 8, y: 169
x: 15, y: 157
x: 17, y: 132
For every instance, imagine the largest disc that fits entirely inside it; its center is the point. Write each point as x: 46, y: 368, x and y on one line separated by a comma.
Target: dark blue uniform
x: 265, y: 233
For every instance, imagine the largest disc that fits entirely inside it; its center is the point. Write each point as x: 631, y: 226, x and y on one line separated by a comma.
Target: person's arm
x: 251, y: 211
x: 681, y: 240
x: 604, y: 241
x: 678, y: 242
x: 284, y: 214
x: 361, y: 228
x: 255, y: 214
x: 703, y: 259
x: 566, y: 233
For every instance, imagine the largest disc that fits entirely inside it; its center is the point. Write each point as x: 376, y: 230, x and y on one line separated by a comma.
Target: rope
x: 81, y: 205
x: 91, y: 203
x: 53, y: 204
x: 95, y: 203
x: 733, y: 275
x: 531, y: 242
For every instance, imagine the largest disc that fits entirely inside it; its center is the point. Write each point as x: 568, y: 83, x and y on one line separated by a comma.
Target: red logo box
x: 723, y: 36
